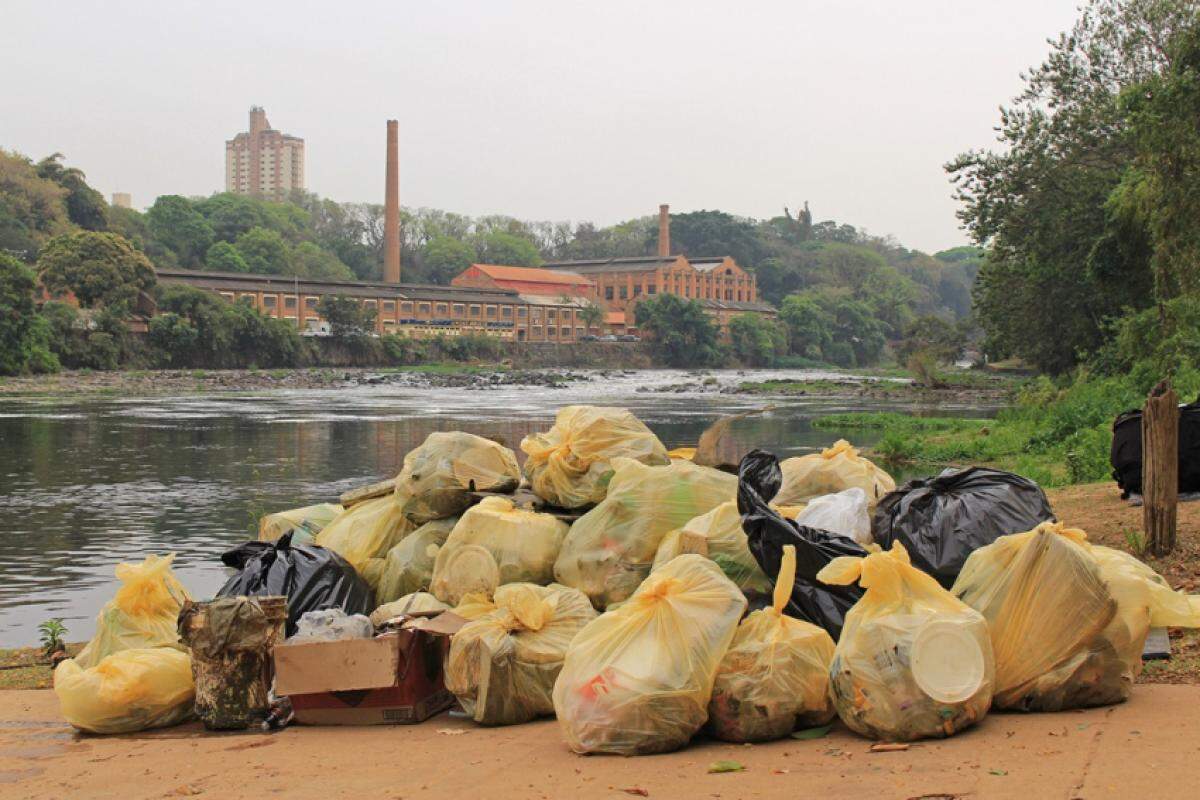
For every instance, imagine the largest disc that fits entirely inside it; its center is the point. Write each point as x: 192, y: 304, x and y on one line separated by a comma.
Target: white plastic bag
x: 844, y: 513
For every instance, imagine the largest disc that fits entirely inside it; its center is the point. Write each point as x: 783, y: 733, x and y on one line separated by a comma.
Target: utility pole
x: 1160, y: 468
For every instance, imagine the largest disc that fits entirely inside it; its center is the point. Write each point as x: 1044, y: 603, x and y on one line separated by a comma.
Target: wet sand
x: 1142, y: 748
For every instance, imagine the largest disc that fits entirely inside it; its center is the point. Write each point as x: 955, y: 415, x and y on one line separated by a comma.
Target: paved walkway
x: 1142, y: 749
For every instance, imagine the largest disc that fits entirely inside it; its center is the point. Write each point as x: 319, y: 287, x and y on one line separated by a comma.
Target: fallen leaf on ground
x: 780, y: 771
x: 888, y: 747
x: 637, y: 790
x: 451, y: 731
x: 726, y: 766
x: 997, y: 772
x: 186, y: 791
x: 812, y: 733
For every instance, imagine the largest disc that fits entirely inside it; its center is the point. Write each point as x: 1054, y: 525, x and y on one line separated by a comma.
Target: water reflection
x: 86, y: 484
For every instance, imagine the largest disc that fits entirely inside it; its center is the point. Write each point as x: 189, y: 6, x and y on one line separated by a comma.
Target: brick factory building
x: 262, y: 161
x: 415, y: 310
x: 528, y: 280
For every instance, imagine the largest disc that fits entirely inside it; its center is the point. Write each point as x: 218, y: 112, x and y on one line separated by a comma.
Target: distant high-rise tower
x: 121, y: 200
x: 262, y: 161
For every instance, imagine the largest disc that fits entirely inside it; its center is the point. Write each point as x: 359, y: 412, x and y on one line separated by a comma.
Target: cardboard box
x: 393, y: 679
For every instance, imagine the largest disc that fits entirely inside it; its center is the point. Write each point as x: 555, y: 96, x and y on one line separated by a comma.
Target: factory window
x: 269, y: 301
x: 522, y: 312
x: 637, y: 290
x: 310, y: 303
x: 608, y: 293
x: 652, y: 289
x: 227, y: 295
x: 370, y: 303
x: 506, y: 312
x: 474, y: 311
x: 440, y: 309
x: 458, y: 309
x: 247, y: 297
x: 389, y: 306
x: 289, y: 302
x: 537, y: 313
x: 578, y: 332
x: 490, y: 312
x: 624, y: 292
x: 422, y: 308
x: 565, y: 333
x: 551, y: 314
x: 406, y: 308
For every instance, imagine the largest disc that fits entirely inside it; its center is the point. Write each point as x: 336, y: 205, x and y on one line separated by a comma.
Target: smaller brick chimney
x: 391, y: 207
x: 664, y: 230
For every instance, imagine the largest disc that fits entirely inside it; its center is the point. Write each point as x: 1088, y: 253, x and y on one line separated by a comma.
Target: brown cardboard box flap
x: 445, y: 624
x: 307, y: 667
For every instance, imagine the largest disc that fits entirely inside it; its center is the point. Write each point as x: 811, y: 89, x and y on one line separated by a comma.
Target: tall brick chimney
x: 391, y: 208
x: 664, y: 230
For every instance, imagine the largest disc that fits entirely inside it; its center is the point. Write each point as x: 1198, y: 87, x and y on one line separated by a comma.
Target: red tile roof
x: 532, y: 274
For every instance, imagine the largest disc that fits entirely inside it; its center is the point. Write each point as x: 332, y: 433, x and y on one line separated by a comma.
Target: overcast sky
x: 542, y: 110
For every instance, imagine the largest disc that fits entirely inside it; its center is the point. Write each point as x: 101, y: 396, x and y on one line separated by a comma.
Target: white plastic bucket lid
x: 947, y: 661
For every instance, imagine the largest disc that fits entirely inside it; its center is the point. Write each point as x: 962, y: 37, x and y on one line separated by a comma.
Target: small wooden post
x: 1160, y: 468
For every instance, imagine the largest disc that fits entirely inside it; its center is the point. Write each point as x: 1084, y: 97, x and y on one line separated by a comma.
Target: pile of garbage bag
x: 311, y: 577
x: 845, y: 513
x: 415, y: 603
x: 775, y: 676
x: 438, y: 477
x: 941, y: 521
x: 913, y: 661
x: 365, y: 531
x: 833, y: 470
x: 1068, y: 619
x: 495, y: 543
x: 768, y: 532
x: 502, y: 667
x: 134, y: 674
x: 142, y: 613
x: 303, y: 523
x: 721, y: 529
x: 128, y: 691
x: 570, y: 465
x: 638, y: 679
x: 609, y: 550
x: 408, y: 566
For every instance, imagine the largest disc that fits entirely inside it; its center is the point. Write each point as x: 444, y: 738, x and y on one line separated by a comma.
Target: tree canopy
x: 100, y: 269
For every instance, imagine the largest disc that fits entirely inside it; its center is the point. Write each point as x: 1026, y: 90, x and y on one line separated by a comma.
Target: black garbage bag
x: 942, y: 520
x: 759, y: 478
x: 312, y: 578
x: 1126, y: 453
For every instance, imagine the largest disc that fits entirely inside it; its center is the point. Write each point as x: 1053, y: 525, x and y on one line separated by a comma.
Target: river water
x: 88, y: 483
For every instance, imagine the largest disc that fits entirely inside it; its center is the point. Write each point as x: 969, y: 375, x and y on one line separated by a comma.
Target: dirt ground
x: 1135, y: 749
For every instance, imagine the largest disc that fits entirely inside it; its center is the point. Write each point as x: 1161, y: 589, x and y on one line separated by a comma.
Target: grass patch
x: 27, y: 667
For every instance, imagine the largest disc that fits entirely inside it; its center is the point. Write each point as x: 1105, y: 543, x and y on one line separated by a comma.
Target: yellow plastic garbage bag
x: 415, y: 603
x: 438, y: 476
x: 1068, y: 619
x: 305, y: 523
x: 638, y: 679
x: 128, y: 691
x: 570, y: 464
x: 495, y: 543
x: 409, y: 565
x: 143, y: 613
x: 502, y: 666
x: 366, y: 530
x: 609, y: 550
x: 913, y: 660
x: 727, y: 545
x: 775, y: 676
x: 832, y: 470
x: 372, y: 572
x: 474, y: 605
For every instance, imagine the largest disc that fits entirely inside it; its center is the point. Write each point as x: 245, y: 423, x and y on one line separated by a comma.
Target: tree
x: 809, y: 326
x: 756, y: 340
x: 681, y: 333
x: 264, y: 252
x: 32, y: 208
x: 100, y: 269
x: 224, y: 257
x: 1060, y: 259
x: 444, y: 258
x: 310, y: 261
x: 177, y: 227
x: 715, y: 233
x: 931, y: 336
x: 499, y: 247
x: 85, y: 206
x: 347, y: 317
x: 24, y: 336
x: 592, y: 316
